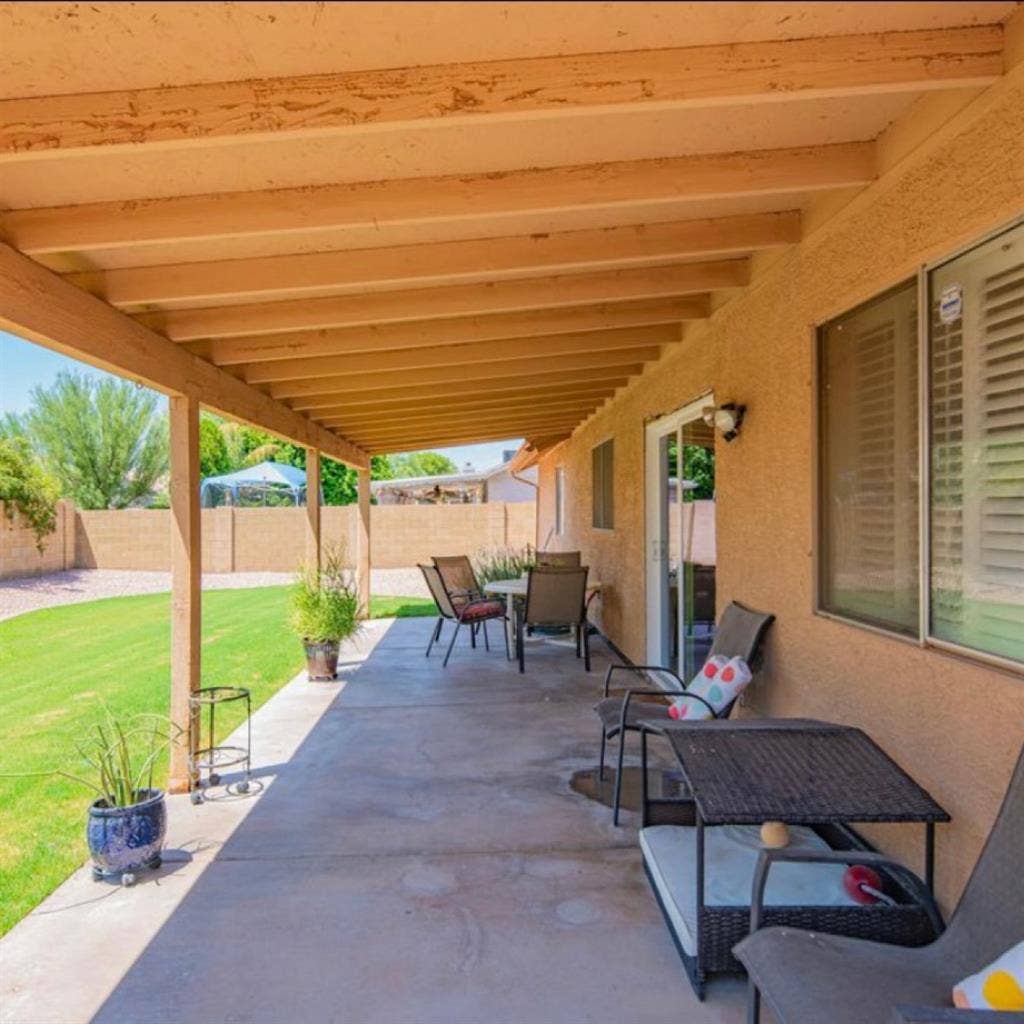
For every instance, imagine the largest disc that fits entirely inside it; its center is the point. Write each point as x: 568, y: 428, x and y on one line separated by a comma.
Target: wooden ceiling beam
x: 38, y: 305
x: 316, y: 105
x: 506, y: 426
x: 569, y: 255
x: 563, y: 369
x: 426, y: 411
x: 537, y: 384
x: 629, y: 183
x: 427, y: 396
x: 480, y: 436
x: 380, y: 338
x: 427, y: 415
x: 494, y: 352
x: 675, y: 282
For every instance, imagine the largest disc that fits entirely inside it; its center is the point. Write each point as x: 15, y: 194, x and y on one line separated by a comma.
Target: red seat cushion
x: 483, y: 610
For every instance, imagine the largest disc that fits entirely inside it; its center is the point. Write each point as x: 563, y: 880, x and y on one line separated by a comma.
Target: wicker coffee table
x: 801, y: 772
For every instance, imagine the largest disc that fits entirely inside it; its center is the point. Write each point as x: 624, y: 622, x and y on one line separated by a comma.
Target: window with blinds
x: 603, y: 480
x: 976, y: 501
x: 868, y: 455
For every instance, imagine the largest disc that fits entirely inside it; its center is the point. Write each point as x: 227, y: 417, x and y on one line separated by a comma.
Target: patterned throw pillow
x: 719, y: 682
x: 1000, y: 986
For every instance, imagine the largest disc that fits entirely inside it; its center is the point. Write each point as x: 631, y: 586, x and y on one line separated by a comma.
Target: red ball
x: 857, y: 875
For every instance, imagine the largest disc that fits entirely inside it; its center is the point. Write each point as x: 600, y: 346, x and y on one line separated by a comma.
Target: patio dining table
x: 515, y: 590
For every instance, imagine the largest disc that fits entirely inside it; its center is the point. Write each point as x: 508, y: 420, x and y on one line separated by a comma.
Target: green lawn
x: 58, y: 664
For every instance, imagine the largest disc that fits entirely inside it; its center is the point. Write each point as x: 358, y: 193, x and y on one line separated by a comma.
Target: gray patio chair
x: 809, y: 977
x: 473, y: 613
x: 459, y: 578
x: 740, y: 633
x: 554, y: 597
x: 560, y: 559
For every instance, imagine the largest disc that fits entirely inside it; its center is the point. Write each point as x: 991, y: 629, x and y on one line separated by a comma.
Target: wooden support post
x: 186, y: 581
x: 363, y: 535
x: 313, y: 506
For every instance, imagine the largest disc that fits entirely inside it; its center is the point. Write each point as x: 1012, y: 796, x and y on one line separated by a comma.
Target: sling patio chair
x: 473, y: 613
x: 559, y: 559
x: 458, y: 577
x: 813, y: 978
x: 554, y: 597
x: 740, y: 634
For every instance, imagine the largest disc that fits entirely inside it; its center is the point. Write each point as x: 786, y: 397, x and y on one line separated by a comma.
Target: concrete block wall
x: 19, y: 551
x: 263, y: 539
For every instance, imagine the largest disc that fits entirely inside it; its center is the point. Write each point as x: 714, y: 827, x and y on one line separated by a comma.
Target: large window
x: 869, y: 462
x: 976, y: 314
x: 603, y: 479
x: 873, y: 408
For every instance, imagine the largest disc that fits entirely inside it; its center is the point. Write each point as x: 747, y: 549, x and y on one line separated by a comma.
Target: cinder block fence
x: 260, y: 539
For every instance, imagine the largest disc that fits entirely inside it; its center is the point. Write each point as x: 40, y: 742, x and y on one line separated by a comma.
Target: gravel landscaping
x: 28, y: 593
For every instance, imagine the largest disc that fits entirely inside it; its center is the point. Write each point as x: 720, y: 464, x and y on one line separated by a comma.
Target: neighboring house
x: 470, y: 487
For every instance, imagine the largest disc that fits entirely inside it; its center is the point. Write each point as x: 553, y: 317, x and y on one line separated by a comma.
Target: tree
x: 103, y: 440
x: 247, y: 446
x: 421, y: 464
x: 26, y: 488
x: 213, y: 448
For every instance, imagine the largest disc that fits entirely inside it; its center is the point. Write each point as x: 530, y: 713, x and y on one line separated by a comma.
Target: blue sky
x: 24, y: 365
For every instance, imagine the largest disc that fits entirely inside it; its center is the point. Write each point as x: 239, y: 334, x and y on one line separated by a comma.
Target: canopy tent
x: 268, y: 483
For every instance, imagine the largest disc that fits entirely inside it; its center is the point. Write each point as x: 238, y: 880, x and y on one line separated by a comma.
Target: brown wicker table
x: 801, y: 772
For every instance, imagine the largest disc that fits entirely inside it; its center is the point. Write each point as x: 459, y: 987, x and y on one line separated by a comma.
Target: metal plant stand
x: 211, y: 758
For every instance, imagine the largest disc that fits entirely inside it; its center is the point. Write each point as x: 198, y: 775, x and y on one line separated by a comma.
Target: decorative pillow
x: 1000, y: 986
x: 719, y: 682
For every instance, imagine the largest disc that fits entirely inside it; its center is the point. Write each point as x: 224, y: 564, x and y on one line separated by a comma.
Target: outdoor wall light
x: 728, y: 418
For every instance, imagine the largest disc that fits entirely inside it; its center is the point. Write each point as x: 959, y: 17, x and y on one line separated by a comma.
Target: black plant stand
x: 211, y: 758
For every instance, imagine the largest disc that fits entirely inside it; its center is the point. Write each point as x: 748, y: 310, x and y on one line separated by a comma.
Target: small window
x: 604, y: 486
x: 559, y: 500
x: 868, y: 463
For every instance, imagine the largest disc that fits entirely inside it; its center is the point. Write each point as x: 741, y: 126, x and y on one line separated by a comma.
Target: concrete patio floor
x: 415, y: 854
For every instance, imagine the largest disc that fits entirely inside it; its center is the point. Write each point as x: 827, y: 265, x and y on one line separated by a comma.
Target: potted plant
x: 127, y: 822
x: 325, y: 611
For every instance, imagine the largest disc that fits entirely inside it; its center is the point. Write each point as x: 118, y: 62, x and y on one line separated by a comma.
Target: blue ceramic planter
x: 124, y: 839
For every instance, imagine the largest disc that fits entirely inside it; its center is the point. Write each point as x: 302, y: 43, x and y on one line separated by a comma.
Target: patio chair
x: 458, y: 577
x: 554, y: 597
x: 740, y: 634
x: 473, y: 613
x: 559, y: 559
x: 807, y: 977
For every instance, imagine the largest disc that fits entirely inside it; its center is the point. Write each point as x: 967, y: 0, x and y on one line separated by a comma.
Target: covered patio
x: 416, y: 853
x: 375, y: 228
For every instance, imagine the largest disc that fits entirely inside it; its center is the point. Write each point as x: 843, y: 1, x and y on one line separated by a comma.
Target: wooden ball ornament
x: 774, y: 835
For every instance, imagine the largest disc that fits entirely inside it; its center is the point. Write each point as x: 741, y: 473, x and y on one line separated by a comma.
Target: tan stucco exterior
x: 955, y: 724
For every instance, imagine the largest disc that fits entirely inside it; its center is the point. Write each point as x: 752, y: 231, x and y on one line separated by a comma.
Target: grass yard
x: 58, y: 664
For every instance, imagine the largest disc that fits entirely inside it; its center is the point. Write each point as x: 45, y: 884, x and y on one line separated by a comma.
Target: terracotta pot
x: 321, y: 660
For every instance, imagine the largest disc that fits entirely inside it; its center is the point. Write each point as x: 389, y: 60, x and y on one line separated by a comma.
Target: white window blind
x: 869, y: 462
x: 977, y: 448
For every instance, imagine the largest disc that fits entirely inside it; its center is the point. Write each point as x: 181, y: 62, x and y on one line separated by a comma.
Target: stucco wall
x: 955, y: 724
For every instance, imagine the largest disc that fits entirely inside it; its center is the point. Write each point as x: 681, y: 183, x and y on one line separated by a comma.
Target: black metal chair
x: 473, y: 613
x: 808, y: 976
x: 459, y: 579
x: 554, y: 597
x: 740, y: 633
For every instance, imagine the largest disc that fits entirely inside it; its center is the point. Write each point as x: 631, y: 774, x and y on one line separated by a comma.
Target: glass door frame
x: 657, y: 543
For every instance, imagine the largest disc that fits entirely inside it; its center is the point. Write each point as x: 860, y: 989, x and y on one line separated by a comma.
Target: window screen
x: 868, y: 450
x: 603, y: 485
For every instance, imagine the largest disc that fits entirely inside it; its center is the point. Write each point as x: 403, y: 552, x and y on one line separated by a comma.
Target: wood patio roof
x: 386, y: 226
